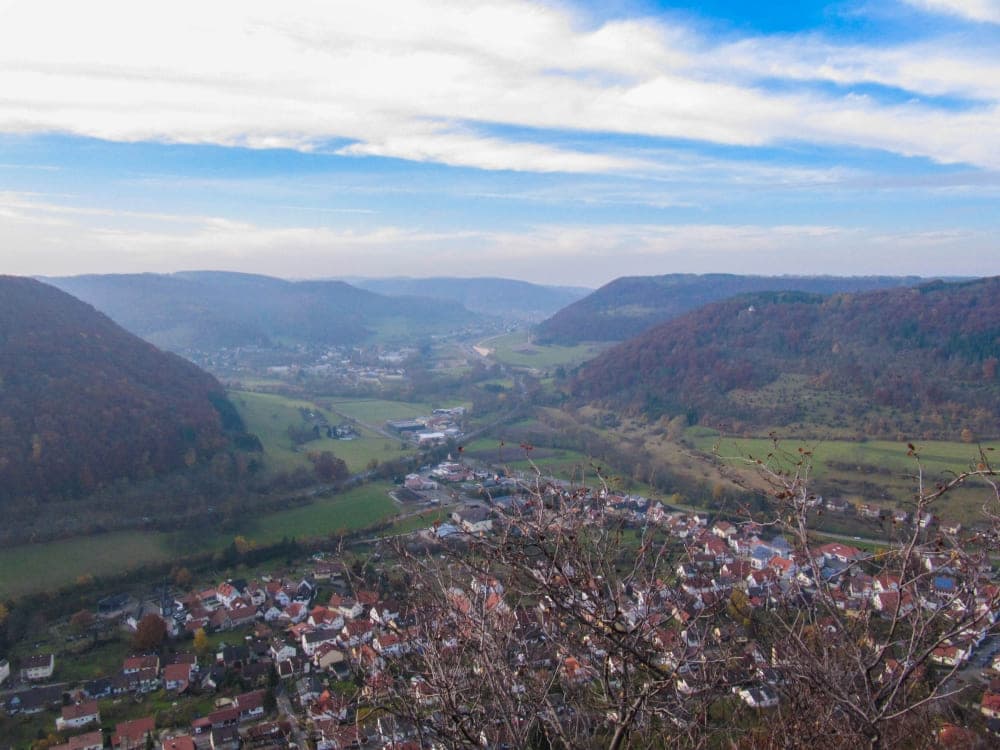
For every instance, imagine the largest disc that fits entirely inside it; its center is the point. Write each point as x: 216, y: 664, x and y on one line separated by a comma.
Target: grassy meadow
x: 874, y: 471
x: 37, y: 567
x: 376, y: 412
x: 269, y: 416
x: 517, y: 350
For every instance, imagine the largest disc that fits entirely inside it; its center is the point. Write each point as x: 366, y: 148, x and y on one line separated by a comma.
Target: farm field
x: 38, y: 567
x: 356, y: 509
x: 50, y: 565
x: 269, y: 416
x: 376, y: 412
x: 876, y: 471
x: 517, y: 349
x: 937, y: 457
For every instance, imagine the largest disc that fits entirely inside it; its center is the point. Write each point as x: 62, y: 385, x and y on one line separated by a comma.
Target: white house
x: 282, y: 651
x: 316, y: 638
x: 227, y: 594
x: 78, y: 715
x: 38, y: 667
x: 759, y: 697
x: 949, y: 656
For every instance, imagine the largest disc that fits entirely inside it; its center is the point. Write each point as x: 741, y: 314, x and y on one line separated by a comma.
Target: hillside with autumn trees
x: 917, y: 362
x: 84, y: 403
x: 630, y: 305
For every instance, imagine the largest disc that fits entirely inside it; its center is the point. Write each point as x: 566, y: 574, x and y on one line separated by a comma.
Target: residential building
x: 89, y: 741
x: 131, y: 735
x: 78, y: 715
x: 38, y: 667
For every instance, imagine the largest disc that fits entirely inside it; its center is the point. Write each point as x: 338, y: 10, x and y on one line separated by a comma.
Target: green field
x: 376, y: 411
x: 517, y: 349
x: 937, y: 457
x: 875, y: 471
x: 357, y: 509
x: 269, y: 415
x: 36, y: 567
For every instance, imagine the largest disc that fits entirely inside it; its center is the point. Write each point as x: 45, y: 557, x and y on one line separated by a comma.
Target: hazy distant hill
x: 920, y: 361
x: 208, y: 309
x: 83, y: 402
x: 498, y: 297
x: 630, y: 305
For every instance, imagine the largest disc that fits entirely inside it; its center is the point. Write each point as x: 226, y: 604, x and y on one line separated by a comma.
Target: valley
x: 350, y: 461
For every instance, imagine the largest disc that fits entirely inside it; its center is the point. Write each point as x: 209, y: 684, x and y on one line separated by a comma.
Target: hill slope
x: 921, y: 362
x: 209, y: 310
x: 630, y: 305
x: 507, y: 298
x: 83, y: 402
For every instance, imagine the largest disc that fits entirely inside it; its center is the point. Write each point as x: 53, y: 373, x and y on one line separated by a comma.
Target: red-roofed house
x: 89, y: 741
x: 990, y: 705
x: 79, y: 715
x: 723, y: 529
x: 131, y: 735
x: 226, y: 594
x: 842, y: 552
x: 250, y: 705
x: 357, y: 632
x: 717, y: 548
x: 784, y: 567
x: 138, y: 663
x: 177, y: 677
x: 296, y: 611
x: 949, y: 656
x: 242, y: 615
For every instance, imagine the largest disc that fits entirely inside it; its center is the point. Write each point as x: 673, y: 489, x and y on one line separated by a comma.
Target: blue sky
x: 556, y: 142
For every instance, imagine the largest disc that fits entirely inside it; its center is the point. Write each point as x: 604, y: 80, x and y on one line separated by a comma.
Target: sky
x: 556, y: 142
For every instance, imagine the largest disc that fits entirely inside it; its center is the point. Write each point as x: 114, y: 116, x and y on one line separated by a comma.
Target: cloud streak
x: 428, y: 87
x: 985, y: 11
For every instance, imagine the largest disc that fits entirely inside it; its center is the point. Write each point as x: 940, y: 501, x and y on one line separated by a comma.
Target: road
x: 285, y: 710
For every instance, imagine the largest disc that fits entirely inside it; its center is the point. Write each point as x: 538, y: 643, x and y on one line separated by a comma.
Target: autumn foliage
x: 83, y: 402
x: 917, y: 361
x: 150, y: 633
x: 631, y: 305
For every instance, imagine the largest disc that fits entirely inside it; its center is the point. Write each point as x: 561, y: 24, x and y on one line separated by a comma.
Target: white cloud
x: 468, y: 150
x: 258, y: 74
x: 987, y: 11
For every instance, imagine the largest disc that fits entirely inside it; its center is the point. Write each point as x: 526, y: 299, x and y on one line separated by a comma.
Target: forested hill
x: 630, y: 305
x: 83, y: 402
x: 505, y: 298
x: 210, y: 310
x: 920, y: 362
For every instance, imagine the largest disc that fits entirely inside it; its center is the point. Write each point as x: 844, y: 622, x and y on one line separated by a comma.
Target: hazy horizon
x: 567, y: 142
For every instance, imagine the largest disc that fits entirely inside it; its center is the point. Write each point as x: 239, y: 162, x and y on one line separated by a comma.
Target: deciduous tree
x: 149, y: 633
x: 329, y: 468
x: 568, y: 628
x: 200, y: 641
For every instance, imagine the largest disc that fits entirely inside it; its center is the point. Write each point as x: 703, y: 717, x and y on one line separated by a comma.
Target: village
x: 304, y: 657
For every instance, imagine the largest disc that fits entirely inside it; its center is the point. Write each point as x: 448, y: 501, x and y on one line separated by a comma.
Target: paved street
x: 285, y: 709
